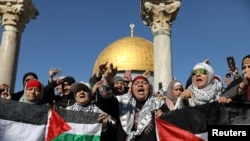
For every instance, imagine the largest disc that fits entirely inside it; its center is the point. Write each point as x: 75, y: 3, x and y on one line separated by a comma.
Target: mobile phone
x: 58, y: 71
x: 231, y: 63
x: 228, y: 75
x: 160, y: 86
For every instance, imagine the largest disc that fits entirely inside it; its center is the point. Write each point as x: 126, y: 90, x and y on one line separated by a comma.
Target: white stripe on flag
x: 203, y: 136
x: 87, y: 129
x: 19, y: 131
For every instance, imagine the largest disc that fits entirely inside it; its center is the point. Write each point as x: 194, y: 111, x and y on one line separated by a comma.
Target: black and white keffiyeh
x: 127, y: 113
x: 86, y: 108
x: 208, y: 94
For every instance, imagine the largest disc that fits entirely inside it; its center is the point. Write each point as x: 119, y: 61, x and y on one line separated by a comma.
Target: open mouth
x: 82, y: 96
x: 119, y: 88
x: 198, y: 80
x: 141, y: 91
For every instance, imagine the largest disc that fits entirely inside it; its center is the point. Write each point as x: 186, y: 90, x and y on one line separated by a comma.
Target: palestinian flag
x: 21, y: 121
x: 28, y: 122
x: 211, y: 121
x: 66, y: 125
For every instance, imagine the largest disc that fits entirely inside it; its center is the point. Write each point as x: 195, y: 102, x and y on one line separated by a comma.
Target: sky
x: 70, y: 35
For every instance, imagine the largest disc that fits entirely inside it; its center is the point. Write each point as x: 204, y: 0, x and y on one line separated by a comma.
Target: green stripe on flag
x: 84, y: 126
x: 81, y: 132
x: 73, y: 137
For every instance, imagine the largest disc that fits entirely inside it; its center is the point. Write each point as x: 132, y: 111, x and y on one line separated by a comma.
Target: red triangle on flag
x: 56, y: 125
x: 170, y: 132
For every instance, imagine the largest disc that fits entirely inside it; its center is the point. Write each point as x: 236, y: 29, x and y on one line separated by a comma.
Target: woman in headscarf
x: 83, y: 98
x: 241, y: 91
x: 204, y: 88
x: 175, y: 88
x: 82, y: 95
x: 26, y: 77
x: 33, y: 92
x: 135, y: 111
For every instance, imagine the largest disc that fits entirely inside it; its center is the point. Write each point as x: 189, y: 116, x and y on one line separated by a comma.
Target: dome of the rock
x: 128, y: 53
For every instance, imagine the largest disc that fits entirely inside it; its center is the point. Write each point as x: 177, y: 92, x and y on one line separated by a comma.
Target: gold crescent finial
x: 132, y: 29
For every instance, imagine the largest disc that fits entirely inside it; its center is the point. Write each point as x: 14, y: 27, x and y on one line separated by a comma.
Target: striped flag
x: 21, y: 121
x: 79, y: 126
x: 28, y: 122
x: 171, y: 132
x: 56, y: 126
x: 204, y: 122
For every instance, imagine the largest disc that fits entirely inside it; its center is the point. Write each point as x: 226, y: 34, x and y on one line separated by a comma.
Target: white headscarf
x: 208, y: 68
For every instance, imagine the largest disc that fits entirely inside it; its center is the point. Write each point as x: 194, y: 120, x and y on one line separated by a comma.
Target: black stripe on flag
x: 78, y: 116
x: 23, y: 112
x: 204, y: 118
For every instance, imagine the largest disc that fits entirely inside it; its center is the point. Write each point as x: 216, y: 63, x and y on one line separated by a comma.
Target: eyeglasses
x: 201, y: 71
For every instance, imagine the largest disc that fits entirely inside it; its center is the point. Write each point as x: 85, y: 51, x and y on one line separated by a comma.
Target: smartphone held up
x: 228, y: 75
x: 58, y: 71
x: 55, y: 72
x: 231, y: 63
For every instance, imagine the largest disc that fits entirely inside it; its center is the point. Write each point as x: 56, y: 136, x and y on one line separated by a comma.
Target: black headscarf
x: 29, y: 74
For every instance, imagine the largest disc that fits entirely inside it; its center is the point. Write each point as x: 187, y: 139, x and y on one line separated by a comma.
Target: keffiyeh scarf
x: 86, y: 108
x: 208, y: 94
x: 127, y: 114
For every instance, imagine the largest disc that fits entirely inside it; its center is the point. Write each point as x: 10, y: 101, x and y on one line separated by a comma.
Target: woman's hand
x: 110, y: 73
x: 158, y: 113
x: 104, y: 119
x: 54, y: 106
x: 186, y: 94
x: 146, y: 74
x: 101, y: 70
x: 235, y: 72
x: 224, y: 100
x: 96, y: 86
x: 6, y: 93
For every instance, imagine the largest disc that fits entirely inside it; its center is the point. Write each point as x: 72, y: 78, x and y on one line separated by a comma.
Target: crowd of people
x: 128, y: 106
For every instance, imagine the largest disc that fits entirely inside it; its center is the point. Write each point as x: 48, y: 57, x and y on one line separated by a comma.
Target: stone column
x: 14, y: 15
x: 159, y: 15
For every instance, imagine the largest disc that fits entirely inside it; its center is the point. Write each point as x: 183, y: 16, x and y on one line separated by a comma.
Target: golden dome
x: 128, y: 53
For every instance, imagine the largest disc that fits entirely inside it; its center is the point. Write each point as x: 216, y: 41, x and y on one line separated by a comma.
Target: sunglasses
x: 201, y: 71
